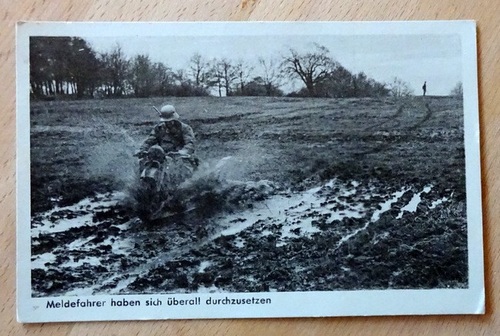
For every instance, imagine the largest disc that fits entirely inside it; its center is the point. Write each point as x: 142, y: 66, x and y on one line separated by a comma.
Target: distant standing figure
x: 424, y: 87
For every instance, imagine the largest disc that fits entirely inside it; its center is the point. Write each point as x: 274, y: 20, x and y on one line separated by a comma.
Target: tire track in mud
x: 399, y: 113
x: 134, y: 273
x: 310, y: 205
x: 391, y: 118
x: 286, y: 217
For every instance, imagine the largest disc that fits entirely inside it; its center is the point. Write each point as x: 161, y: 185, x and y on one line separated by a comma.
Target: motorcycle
x: 160, y: 175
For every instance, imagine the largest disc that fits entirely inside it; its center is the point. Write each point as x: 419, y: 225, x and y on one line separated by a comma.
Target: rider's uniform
x: 179, y: 137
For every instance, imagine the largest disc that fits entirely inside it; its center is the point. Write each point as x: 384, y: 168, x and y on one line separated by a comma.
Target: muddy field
x: 314, y: 194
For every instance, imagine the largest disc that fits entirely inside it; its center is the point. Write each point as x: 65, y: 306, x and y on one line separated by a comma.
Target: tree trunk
x: 311, y: 89
x: 50, y: 85
x: 79, y: 89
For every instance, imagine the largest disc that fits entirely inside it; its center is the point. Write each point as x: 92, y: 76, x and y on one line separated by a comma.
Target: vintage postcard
x: 243, y: 170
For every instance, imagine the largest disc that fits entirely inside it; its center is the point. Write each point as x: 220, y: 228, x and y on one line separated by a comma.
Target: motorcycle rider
x: 171, y: 137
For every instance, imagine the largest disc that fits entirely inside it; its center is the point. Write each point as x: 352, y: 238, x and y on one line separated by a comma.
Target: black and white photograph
x: 218, y: 170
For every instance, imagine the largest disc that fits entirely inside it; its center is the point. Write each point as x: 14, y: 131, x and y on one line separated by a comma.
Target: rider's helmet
x: 167, y: 113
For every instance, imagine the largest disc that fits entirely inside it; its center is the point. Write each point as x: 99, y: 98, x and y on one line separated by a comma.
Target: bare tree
x: 229, y: 74
x: 215, y: 76
x: 163, y: 78
x: 272, y: 76
x: 198, y: 69
x: 116, y: 67
x: 141, y: 76
x: 457, y: 91
x: 222, y: 76
x: 311, y: 68
x: 242, y: 71
x: 399, y: 88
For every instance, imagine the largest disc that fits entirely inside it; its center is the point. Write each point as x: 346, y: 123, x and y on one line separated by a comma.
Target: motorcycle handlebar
x: 177, y: 155
x: 142, y: 154
x: 172, y: 154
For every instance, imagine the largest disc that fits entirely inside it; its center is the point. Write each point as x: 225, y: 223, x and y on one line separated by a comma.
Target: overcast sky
x: 413, y: 58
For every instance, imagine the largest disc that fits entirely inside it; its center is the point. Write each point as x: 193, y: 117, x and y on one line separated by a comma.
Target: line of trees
x: 62, y: 65
x: 68, y: 66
